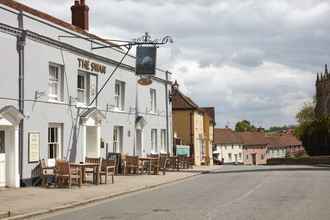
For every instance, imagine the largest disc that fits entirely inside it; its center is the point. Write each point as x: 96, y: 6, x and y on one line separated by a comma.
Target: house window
x: 81, y: 89
x: 119, y: 95
x: 225, y: 147
x: 86, y: 87
x: 55, y: 82
x: 153, y: 100
x: 163, y: 140
x: 118, y: 139
x: 240, y: 156
x: 247, y: 157
x: 54, y: 141
x: 232, y: 146
x: 229, y: 157
x: 2, y: 142
x: 154, y: 141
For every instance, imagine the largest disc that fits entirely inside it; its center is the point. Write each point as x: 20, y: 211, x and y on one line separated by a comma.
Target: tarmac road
x: 283, y: 192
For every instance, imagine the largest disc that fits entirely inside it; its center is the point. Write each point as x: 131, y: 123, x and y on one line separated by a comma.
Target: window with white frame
x: 118, y: 139
x: 55, y: 82
x: 154, y: 141
x: 153, y: 100
x: 119, y: 95
x: 81, y: 89
x: 229, y: 157
x: 240, y: 156
x: 163, y: 140
x: 86, y: 87
x: 55, y: 141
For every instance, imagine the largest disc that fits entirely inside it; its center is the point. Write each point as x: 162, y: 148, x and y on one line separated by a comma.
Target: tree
x: 244, y: 125
x: 306, y: 114
x: 305, y: 117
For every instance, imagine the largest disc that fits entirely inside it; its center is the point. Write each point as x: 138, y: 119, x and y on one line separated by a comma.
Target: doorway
x: 92, y: 146
x: 2, y: 159
x: 139, y: 142
x: 254, y: 159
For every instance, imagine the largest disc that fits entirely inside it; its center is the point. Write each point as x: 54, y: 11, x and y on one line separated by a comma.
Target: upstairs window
x: 119, y: 95
x: 86, y: 87
x: 81, y: 89
x: 153, y: 101
x: 55, y: 82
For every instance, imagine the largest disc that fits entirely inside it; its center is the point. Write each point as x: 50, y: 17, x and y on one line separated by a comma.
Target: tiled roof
x: 180, y: 101
x: 210, y: 111
x: 283, y: 140
x: 253, y: 138
x: 24, y: 8
x: 226, y: 136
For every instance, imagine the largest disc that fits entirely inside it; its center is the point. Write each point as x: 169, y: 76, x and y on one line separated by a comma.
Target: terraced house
x: 49, y: 103
x: 193, y: 126
x: 228, y: 146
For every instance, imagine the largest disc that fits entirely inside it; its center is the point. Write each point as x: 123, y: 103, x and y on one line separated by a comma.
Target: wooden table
x: 83, y: 167
x: 148, y: 159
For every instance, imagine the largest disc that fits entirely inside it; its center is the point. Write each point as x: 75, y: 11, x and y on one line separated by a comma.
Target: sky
x: 253, y: 59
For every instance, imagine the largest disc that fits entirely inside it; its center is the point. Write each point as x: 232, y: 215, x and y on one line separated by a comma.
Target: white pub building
x: 50, y: 74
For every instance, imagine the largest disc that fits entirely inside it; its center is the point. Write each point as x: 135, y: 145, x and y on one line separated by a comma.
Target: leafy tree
x: 306, y: 114
x: 244, y: 125
x: 305, y: 117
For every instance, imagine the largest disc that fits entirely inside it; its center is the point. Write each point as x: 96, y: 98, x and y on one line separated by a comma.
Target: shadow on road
x: 272, y: 169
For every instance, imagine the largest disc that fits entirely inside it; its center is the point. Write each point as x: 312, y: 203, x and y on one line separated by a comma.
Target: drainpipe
x: 167, y: 119
x: 20, y: 49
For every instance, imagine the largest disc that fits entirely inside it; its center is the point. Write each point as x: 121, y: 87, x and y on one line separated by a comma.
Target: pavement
x: 33, y: 201
x: 232, y: 193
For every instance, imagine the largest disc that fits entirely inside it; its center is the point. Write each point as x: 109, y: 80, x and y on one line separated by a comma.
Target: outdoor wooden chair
x: 46, y: 172
x: 163, y: 163
x: 108, y: 168
x: 66, y: 174
x: 155, y: 165
x: 132, y: 164
x: 90, y: 171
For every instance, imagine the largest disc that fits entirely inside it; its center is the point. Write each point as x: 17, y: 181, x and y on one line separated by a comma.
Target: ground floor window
x: 118, y: 139
x: 55, y: 141
x: 229, y: 157
x: 154, y: 141
x: 240, y: 156
x: 163, y: 140
x: 2, y: 142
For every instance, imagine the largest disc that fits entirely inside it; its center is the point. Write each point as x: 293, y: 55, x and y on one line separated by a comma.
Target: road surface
x: 235, y: 193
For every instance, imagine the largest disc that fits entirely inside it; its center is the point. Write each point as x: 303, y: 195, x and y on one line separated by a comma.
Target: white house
x: 228, y: 146
x: 51, y: 73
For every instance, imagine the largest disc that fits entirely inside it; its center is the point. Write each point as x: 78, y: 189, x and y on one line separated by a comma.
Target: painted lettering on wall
x: 91, y: 66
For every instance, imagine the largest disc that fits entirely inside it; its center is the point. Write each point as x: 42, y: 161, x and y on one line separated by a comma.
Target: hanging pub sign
x: 146, y: 60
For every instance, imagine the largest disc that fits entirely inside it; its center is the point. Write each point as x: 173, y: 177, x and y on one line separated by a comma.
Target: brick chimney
x: 80, y: 14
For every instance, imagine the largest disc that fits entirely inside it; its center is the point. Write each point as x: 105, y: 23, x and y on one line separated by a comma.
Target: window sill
x: 84, y: 105
x: 55, y: 101
x: 118, y: 110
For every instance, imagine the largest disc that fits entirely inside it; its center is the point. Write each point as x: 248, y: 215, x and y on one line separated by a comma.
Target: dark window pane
x: 2, y: 142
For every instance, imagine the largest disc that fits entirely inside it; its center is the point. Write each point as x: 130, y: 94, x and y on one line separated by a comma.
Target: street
x: 236, y: 192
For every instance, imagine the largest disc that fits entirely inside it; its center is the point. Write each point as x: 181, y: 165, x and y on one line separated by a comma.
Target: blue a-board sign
x: 183, y: 150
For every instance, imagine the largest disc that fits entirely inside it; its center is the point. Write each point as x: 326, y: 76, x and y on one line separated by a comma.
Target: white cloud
x: 251, y: 59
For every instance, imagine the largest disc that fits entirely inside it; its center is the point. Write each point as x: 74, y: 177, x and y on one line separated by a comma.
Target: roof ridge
x: 50, y: 18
